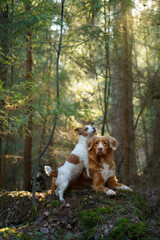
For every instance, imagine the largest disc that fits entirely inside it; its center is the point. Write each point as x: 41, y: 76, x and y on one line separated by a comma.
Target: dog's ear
x: 89, y: 144
x: 78, y: 130
x: 113, y: 142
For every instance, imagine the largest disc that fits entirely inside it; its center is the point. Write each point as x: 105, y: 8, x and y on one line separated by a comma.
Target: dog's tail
x: 48, y: 170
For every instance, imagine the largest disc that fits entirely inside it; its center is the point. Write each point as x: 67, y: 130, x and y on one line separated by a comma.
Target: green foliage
x: 124, y: 229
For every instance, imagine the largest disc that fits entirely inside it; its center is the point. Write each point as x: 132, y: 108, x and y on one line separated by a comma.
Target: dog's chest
x: 81, y: 151
x: 106, y: 172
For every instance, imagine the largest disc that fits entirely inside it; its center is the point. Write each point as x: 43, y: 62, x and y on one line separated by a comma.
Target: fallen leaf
x: 46, y: 213
x: 68, y: 205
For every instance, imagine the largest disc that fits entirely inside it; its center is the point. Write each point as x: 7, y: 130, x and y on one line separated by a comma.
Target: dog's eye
x: 96, y: 143
x: 86, y: 128
x: 105, y: 143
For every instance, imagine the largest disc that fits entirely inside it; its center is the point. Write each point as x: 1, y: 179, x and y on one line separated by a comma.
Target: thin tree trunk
x: 11, y: 44
x: 1, y: 160
x: 129, y: 135
x: 3, y: 75
x: 107, y: 70
x: 5, y: 162
x: 57, y: 107
x: 126, y: 71
x: 146, y: 148
x: 28, y: 133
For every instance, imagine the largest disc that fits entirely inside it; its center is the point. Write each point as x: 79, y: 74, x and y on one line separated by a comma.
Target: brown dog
x: 102, y: 165
x: 101, y: 168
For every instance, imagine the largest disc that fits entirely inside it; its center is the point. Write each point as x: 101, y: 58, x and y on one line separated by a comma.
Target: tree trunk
x: 28, y: 133
x: 122, y: 90
x: 107, y: 69
x: 129, y: 138
x: 3, y: 75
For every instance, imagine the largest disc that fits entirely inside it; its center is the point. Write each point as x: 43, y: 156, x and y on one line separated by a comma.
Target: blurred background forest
x: 109, y: 74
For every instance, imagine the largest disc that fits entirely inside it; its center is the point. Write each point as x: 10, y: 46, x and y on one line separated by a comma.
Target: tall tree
x: 107, y: 65
x: 57, y: 103
x: 3, y: 72
x: 122, y: 90
x: 28, y: 132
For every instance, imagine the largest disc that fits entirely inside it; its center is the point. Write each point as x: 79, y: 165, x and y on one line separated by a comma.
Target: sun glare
x: 139, y: 6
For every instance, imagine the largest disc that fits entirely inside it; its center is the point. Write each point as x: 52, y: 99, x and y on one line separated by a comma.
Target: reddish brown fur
x: 54, y: 173
x: 81, y: 131
x: 113, y: 183
x: 73, y: 159
x: 95, y: 166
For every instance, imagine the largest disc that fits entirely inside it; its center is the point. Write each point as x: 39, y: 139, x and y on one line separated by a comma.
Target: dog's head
x: 87, y: 130
x: 100, y: 146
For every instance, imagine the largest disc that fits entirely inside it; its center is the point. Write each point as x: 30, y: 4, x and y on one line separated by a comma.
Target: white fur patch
x: 66, y: 173
x: 81, y: 151
x: 111, y: 193
x: 106, y: 172
x: 47, y: 170
x: 114, y: 148
x: 100, y: 145
x: 70, y: 171
x: 124, y: 187
x: 90, y: 130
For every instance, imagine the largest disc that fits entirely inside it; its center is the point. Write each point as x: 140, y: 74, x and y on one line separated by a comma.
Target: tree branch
x: 57, y: 107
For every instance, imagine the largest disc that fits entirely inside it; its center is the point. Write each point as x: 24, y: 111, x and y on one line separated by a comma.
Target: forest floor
x: 84, y: 215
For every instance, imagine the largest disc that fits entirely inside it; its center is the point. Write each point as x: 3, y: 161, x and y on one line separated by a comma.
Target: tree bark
x: 122, y: 90
x: 107, y: 69
x: 28, y: 133
x: 3, y: 75
x: 127, y: 101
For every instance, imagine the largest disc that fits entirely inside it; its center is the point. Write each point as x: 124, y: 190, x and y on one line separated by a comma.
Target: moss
x: 124, y: 229
x: 85, y: 202
x: 142, y: 210
x: 122, y: 209
x: 55, y: 204
x: 26, y: 237
x: 89, y: 218
x: 110, y: 210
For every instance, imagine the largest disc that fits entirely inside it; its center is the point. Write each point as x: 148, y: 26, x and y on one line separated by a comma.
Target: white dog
x: 75, y: 163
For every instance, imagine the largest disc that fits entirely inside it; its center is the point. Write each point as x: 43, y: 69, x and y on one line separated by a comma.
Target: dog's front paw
x: 124, y: 187
x: 111, y: 193
x: 47, y: 170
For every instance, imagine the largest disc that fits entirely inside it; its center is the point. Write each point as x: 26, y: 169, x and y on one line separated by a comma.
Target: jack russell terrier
x: 75, y: 163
